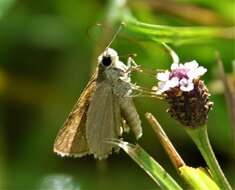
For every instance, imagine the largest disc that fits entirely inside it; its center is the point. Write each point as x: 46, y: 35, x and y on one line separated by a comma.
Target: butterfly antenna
x: 115, y: 35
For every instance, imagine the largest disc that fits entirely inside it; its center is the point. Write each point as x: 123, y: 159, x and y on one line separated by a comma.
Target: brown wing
x: 103, y: 121
x: 71, y: 139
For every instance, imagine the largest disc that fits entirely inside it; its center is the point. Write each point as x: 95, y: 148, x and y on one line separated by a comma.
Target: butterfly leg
x: 132, y: 65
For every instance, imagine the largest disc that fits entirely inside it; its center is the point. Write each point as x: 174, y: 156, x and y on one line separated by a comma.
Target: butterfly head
x: 108, y: 58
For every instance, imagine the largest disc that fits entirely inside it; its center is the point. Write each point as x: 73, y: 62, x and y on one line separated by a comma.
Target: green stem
x: 200, y: 138
x: 173, y: 34
x: 118, y: 11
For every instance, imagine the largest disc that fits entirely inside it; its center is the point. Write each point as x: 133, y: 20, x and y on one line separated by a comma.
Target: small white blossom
x: 181, y: 75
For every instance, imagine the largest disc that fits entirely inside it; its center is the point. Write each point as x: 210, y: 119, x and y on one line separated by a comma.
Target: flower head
x: 181, y: 76
x: 185, y: 92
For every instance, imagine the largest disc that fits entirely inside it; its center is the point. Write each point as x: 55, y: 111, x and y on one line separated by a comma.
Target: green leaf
x: 174, y: 34
x: 149, y: 165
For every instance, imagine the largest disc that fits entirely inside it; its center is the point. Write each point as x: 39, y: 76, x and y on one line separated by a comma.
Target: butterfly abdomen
x: 129, y: 113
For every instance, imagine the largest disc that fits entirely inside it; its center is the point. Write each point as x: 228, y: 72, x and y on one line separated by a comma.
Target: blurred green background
x: 46, y: 58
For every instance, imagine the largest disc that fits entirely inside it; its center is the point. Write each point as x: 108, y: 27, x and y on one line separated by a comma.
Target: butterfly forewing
x: 71, y: 140
x: 104, y: 121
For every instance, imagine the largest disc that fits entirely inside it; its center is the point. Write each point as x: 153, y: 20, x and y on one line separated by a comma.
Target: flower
x: 185, y: 92
x: 181, y: 76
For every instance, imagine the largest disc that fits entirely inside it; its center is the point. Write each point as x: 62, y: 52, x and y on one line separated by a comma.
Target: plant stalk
x: 165, y: 141
x: 200, y: 137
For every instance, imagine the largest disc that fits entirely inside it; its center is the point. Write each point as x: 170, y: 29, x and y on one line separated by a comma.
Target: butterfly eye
x: 106, y: 61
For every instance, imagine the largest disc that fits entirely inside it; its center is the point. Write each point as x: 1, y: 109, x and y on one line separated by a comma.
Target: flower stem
x: 200, y: 137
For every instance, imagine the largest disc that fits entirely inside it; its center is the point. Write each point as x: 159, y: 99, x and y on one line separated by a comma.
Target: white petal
x: 173, y: 82
x: 183, y: 81
x: 187, y: 88
x: 181, y: 66
x: 163, y: 76
x: 200, y: 71
x: 186, y: 85
x: 163, y: 86
x: 196, y: 73
x: 174, y: 66
x: 191, y: 65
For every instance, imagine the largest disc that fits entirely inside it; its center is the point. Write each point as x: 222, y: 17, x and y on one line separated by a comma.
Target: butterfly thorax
x: 118, y: 77
x: 114, y: 72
